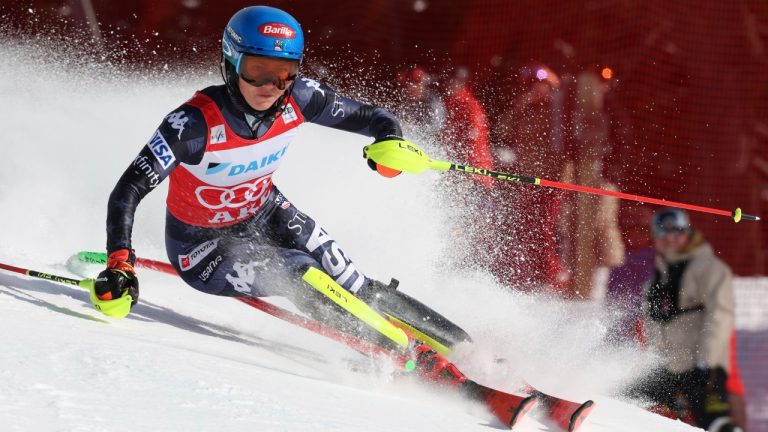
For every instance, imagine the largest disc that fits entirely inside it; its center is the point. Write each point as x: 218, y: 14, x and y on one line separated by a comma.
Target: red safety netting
x: 681, y: 113
x: 686, y: 106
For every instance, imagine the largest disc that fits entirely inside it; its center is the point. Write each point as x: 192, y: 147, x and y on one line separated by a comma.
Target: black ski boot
x: 403, y: 309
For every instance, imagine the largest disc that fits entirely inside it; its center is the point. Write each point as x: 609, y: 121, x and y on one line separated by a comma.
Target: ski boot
x: 433, y: 366
x: 410, y: 314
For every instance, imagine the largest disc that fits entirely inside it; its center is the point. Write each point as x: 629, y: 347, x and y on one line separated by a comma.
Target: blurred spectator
x: 528, y: 257
x: 422, y: 107
x: 735, y: 388
x: 624, y: 292
x: 689, y: 310
x: 464, y: 140
x: 524, y: 131
x: 465, y: 132
x: 594, y: 244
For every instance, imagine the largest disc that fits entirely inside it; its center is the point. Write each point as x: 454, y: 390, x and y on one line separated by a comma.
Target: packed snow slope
x: 187, y: 361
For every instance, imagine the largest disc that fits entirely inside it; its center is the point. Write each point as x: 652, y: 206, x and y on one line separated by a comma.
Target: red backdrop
x: 690, y: 92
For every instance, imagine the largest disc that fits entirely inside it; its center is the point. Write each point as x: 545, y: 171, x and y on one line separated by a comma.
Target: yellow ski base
x: 326, y: 285
x: 435, y: 345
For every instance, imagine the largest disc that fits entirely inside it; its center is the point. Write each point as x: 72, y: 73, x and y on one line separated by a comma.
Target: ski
x: 566, y: 414
x: 364, y: 347
x: 507, y: 407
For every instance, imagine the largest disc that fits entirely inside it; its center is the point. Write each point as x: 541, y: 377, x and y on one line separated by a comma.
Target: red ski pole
x: 46, y: 276
x: 404, y: 156
x: 736, y: 215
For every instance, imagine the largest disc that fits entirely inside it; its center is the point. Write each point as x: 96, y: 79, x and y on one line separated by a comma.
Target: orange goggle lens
x: 258, y: 71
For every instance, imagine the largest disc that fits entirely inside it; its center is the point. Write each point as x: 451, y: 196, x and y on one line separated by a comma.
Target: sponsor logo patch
x: 218, y: 134
x: 142, y: 163
x: 313, y: 84
x: 254, y: 165
x: 269, y: 159
x: 161, y: 150
x: 289, y: 115
x: 239, y: 202
x: 277, y: 30
x: 338, y: 107
x: 177, y: 121
x: 210, y: 269
x: 216, y: 167
x: 245, y: 274
x: 281, y: 202
x: 234, y: 35
x: 334, y: 260
x: 298, y: 223
x: 188, y: 261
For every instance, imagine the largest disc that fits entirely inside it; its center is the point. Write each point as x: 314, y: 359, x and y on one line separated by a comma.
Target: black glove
x: 119, y: 278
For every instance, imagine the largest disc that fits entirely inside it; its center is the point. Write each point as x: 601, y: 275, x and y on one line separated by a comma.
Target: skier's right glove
x: 116, y: 289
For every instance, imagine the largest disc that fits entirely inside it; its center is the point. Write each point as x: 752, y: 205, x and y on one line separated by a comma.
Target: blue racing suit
x: 229, y: 230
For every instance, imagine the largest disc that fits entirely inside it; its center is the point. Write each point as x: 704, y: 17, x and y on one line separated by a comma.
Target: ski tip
x: 580, y: 415
x: 526, y: 405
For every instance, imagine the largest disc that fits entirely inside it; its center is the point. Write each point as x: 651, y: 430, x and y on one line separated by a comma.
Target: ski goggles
x: 259, y: 70
x: 661, y: 232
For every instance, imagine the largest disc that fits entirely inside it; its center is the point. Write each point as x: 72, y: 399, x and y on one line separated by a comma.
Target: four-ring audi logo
x: 216, y: 198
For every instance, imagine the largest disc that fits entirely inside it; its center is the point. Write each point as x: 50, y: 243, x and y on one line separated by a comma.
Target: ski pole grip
x: 403, y: 156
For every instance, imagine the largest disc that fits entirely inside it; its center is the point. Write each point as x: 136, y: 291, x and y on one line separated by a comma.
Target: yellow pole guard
x: 117, y: 308
x: 403, y: 156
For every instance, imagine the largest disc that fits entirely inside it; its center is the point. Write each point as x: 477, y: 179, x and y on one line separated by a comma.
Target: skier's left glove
x: 116, y: 289
x: 381, y: 169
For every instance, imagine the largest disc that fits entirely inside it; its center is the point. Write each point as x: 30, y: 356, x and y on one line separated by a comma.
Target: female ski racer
x: 229, y: 229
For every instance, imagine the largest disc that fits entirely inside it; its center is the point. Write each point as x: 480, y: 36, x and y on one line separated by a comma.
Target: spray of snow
x: 194, y: 361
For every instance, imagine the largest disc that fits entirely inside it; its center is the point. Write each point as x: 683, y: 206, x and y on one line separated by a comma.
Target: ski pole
x: 314, y: 326
x: 85, y: 283
x: 117, y: 308
x: 407, y: 157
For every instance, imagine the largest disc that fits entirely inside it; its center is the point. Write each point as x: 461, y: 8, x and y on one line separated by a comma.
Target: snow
x: 184, y: 360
